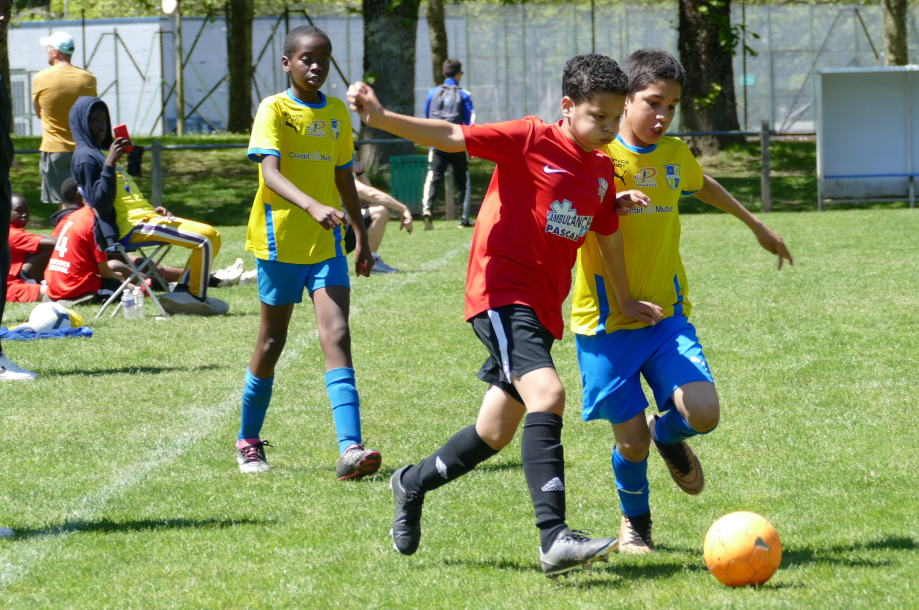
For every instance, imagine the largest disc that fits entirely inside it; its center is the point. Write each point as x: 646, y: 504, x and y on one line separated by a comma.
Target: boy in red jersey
x: 29, y: 254
x: 551, y: 186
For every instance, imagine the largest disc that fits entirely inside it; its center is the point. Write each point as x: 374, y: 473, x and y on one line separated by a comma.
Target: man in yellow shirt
x: 54, y: 92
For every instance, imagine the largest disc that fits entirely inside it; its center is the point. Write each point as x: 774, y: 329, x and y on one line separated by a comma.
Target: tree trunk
x: 893, y: 13
x: 437, y: 33
x: 390, y: 27
x: 240, y: 14
x: 706, y: 45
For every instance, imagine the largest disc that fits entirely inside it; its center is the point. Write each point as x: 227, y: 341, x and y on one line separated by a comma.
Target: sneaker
x: 251, y: 458
x: 406, y: 527
x: 684, y: 466
x: 573, y: 549
x: 231, y: 275
x: 11, y: 372
x: 380, y: 267
x: 180, y: 302
x: 218, y: 307
x: 464, y: 224
x: 249, y: 277
x: 356, y: 463
x: 635, y: 535
x: 428, y: 224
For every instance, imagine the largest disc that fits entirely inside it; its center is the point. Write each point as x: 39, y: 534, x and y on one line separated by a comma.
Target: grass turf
x: 120, y: 481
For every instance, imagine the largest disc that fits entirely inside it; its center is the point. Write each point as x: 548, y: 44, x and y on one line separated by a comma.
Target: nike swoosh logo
x: 550, y: 170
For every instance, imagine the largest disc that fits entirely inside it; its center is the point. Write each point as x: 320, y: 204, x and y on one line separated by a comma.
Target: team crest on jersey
x: 563, y: 220
x: 603, y: 186
x: 316, y: 129
x: 673, y: 176
x: 645, y: 178
x: 336, y: 129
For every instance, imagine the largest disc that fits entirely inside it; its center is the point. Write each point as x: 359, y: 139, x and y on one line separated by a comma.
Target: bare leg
x: 379, y: 215
x: 332, y: 305
x: 272, y: 335
x: 698, y: 403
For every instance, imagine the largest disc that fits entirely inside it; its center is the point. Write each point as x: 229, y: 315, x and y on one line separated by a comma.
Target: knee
x: 704, y: 415
x: 551, y: 399
x: 335, y: 335
x: 496, y: 438
x: 634, y: 449
x: 272, y: 346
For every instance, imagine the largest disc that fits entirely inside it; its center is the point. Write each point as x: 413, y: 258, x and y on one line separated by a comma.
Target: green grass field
x: 120, y: 481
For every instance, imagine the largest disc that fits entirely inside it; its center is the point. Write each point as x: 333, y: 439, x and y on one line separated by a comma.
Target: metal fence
x: 512, y: 55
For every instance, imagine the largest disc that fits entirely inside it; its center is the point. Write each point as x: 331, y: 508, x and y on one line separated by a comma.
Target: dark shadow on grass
x: 130, y: 370
x: 106, y: 526
x: 499, y: 466
x: 837, y: 555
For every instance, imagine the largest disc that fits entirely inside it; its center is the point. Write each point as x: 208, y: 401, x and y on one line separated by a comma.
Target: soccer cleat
x: 380, y: 267
x: 181, y: 302
x: 218, y: 307
x: 464, y: 223
x: 572, y: 549
x: 684, y: 466
x: 248, y: 277
x: 231, y: 275
x: 635, y: 535
x: 251, y: 458
x: 356, y: 463
x: 406, y: 527
x: 428, y: 223
x: 11, y: 372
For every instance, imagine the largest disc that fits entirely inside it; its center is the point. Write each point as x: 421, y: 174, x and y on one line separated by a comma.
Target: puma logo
x: 291, y: 125
x: 621, y: 178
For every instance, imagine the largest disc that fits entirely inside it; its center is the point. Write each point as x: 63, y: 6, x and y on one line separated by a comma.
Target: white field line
x: 18, y: 558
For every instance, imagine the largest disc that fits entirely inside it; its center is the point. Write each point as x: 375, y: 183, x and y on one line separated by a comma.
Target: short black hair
x: 294, y: 37
x: 70, y: 192
x: 452, y: 67
x: 647, y: 66
x: 588, y: 75
x: 16, y: 196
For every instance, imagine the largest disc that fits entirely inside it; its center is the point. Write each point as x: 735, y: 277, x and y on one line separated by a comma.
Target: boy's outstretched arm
x: 441, y: 135
x: 363, y: 258
x: 327, y: 216
x: 613, y: 255
x: 714, y: 194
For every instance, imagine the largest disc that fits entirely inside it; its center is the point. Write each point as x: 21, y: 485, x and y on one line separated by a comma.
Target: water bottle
x: 138, y: 302
x: 127, y: 303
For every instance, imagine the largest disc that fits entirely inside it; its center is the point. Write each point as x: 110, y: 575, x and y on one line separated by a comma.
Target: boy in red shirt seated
x: 78, y: 268
x: 29, y: 253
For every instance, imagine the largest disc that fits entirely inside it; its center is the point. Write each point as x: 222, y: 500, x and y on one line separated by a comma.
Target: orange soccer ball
x: 742, y: 549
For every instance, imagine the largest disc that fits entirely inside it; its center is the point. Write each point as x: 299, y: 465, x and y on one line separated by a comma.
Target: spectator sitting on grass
x: 29, y: 253
x: 375, y: 211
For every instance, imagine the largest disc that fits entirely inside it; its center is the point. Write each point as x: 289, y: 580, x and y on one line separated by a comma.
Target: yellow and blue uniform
x: 312, y: 141
x: 613, y: 349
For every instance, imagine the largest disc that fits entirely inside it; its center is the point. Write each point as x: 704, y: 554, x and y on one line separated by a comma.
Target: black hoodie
x: 97, y: 180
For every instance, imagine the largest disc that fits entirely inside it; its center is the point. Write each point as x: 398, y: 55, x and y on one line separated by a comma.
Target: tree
x: 390, y: 27
x: 893, y: 13
x: 707, y: 42
x: 437, y: 34
x: 240, y: 14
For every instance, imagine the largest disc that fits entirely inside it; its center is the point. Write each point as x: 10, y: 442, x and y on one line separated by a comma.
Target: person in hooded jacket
x: 125, y: 216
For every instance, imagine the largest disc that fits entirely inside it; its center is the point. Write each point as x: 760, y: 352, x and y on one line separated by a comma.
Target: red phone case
x: 121, y: 131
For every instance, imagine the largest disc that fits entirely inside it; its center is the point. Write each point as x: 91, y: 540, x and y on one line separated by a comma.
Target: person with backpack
x: 449, y: 103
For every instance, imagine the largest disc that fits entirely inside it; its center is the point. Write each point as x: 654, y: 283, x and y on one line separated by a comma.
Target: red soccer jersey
x: 73, y: 269
x: 22, y: 244
x: 544, y: 196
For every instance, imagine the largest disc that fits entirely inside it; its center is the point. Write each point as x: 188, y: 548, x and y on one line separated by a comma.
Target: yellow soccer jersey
x: 131, y: 208
x: 651, y: 239
x: 312, y: 141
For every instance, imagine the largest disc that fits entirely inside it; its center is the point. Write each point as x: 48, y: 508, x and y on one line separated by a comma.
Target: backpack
x: 447, y: 104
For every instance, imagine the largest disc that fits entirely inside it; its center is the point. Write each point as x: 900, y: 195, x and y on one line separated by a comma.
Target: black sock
x: 463, y: 452
x: 544, y: 468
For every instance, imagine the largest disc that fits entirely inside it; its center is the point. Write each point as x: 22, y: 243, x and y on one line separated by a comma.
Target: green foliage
x: 709, y: 100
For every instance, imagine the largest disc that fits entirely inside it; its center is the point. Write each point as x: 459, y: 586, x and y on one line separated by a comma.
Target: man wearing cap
x: 53, y: 94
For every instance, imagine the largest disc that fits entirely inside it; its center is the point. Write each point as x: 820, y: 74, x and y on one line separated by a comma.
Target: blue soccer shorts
x: 667, y: 354
x: 283, y: 283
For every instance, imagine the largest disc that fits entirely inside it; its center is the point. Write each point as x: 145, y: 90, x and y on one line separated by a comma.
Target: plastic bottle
x: 138, y: 302
x: 127, y: 303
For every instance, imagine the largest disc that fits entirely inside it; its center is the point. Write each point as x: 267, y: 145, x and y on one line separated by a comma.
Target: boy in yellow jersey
x: 613, y: 350
x: 302, y: 142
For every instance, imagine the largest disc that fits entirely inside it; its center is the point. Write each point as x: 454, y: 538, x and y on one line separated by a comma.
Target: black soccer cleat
x: 572, y: 549
x: 406, y: 527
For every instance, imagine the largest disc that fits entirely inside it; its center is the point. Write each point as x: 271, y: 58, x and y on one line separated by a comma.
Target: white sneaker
x: 380, y: 267
x: 229, y: 276
x: 11, y: 372
x: 248, y: 277
x: 177, y: 303
x: 218, y: 307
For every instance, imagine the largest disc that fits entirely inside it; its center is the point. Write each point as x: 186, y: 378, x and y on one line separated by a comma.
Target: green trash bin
x: 408, y: 173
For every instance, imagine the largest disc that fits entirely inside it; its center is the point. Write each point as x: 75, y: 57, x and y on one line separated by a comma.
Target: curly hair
x: 588, y: 75
x: 647, y: 66
x: 294, y: 37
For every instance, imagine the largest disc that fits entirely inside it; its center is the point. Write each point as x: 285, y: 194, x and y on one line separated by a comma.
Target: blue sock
x: 256, y: 397
x: 346, y: 406
x: 632, y: 485
x: 671, y: 428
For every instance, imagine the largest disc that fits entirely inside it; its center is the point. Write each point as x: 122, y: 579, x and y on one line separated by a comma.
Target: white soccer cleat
x: 11, y: 372
x: 231, y: 275
x: 380, y: 267
x: 248, y: 277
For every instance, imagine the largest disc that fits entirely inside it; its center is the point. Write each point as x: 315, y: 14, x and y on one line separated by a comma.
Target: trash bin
x: 408, y: 173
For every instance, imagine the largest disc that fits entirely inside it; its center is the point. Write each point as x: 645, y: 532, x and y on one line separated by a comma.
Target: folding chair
x: 153, y: 253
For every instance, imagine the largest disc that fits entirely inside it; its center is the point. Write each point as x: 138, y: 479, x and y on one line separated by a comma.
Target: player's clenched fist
x: 363, y: 101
